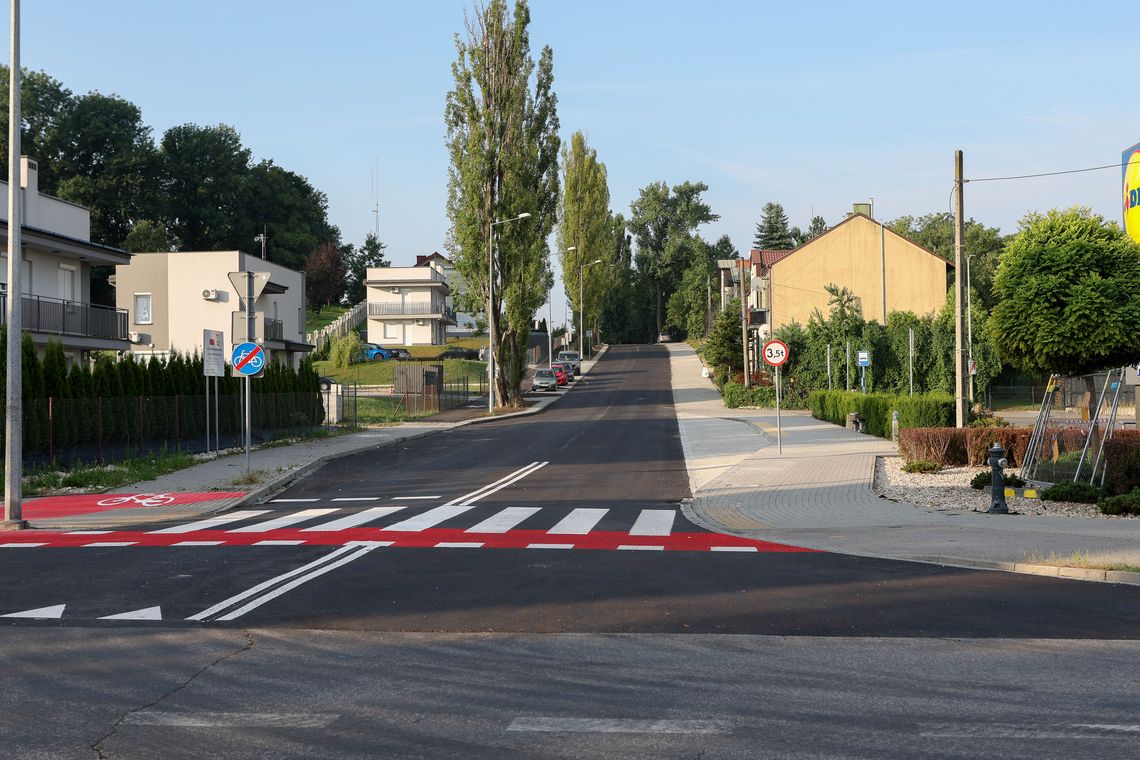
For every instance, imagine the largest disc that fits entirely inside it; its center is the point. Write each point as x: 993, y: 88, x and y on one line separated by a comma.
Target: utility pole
x: 960, y: 414
x: 14, y: 409
x: 261, y: 239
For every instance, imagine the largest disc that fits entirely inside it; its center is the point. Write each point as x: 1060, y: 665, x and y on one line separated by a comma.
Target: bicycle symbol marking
x: 143, y: 499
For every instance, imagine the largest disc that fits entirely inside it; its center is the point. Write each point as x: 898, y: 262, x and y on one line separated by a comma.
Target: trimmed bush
x: 986, y: 479
x: 1085, y: 493
x: 921, y: 465
x: 1124, y: 504
x: 736, y: 395
x: 932, y: 410
x: 979, y: 440
x: 943, y: 445
x: 1122, y: 460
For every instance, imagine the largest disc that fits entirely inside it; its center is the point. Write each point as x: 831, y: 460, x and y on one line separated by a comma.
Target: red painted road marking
x: 82, y: 504
x: 516, y: 539
x: 248, y: 359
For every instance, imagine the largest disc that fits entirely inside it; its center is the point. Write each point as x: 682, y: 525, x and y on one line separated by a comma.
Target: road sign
x: 248, y: 359
x: 240, y: 322
x: 213, y: 354
x: 775, y: 353
x: 863, y: 359
x: 240, y: 283
x: 973, y: 367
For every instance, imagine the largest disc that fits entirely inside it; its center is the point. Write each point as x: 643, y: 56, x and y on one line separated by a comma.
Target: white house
x: 407, y: 306
x: 172, y: 297
x: 55, y: 278
x: 464, y: 325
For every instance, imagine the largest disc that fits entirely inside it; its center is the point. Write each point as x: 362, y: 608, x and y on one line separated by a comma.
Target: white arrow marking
x: 150, y: 613
x: 55, y: 611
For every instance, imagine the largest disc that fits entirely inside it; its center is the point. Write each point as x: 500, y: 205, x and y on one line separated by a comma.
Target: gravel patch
x: 948, y: 490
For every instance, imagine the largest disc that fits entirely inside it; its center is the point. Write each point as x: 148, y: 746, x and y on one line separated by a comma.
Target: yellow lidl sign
x: 1131, y: 186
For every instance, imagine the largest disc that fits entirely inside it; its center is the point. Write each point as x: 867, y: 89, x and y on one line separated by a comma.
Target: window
x: 67, y: 282
x: 143, y: 314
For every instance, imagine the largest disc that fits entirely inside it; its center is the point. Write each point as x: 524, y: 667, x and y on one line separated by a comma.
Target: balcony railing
x: 410, y: 309
x: 274, y: 329
x: 54, y: 315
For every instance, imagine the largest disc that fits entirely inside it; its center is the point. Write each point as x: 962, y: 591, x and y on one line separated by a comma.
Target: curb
x: 1027, y: 568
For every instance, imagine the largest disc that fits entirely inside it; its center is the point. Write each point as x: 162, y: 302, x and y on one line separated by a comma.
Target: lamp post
x: 491, y: 307
x: 582, y: 304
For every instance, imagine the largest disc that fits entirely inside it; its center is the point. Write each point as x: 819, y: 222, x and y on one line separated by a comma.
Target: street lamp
x: 582, y: 303
x: 491, y: 308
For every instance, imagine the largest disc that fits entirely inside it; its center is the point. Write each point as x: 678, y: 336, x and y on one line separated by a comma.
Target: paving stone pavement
x: 819, y: 493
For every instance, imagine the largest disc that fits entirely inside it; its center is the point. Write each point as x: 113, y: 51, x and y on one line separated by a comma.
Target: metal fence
x: 1072, y: 394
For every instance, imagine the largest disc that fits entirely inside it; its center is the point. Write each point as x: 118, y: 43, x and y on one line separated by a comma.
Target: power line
x: 1048, y: 174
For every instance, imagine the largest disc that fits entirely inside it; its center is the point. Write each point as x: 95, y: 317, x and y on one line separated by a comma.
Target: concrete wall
x: 850, y: 255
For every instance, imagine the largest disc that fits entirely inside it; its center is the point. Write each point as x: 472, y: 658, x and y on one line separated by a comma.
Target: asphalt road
x: 363, y: 584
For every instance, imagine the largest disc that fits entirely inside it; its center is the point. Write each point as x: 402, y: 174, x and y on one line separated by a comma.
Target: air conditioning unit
x: 394, y: 289
x: 419, y: 321
x: 210, y: 294
x: 134, y: 337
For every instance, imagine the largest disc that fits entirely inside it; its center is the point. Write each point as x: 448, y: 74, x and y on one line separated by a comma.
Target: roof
x: 422, y: 261
x: 767, y: 258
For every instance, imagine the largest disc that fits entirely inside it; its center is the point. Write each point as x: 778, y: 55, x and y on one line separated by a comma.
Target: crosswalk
x: 416, y: 525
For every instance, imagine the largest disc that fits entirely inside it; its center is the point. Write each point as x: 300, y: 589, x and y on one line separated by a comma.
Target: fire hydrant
x: 997, y: 464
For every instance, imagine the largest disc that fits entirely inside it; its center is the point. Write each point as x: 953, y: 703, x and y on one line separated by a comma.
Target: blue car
x: 373, y: 353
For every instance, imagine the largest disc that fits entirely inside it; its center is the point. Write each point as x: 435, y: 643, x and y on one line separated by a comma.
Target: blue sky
x: 815, y: 105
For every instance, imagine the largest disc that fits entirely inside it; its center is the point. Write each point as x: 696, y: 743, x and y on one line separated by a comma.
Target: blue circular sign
x: 248, y: 359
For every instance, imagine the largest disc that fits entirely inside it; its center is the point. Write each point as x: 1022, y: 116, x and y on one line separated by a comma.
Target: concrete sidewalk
x: 276, y: 467
x: 818, y: 493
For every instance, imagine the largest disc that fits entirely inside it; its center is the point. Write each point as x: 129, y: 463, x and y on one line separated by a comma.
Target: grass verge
x: 382, y: 372
x: 1077, y: 559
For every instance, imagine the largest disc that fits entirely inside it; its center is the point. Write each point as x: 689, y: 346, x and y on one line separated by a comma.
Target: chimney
x: 863, y: 208
x: 29, y: 175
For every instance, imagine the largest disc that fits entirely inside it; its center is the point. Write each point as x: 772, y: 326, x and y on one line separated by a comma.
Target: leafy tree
x: 662, y: 222
x: 817, y: 227
x: 202, y: 176
x: 724, y: 347
x: 292, y: 213
x: 150, y: 236
x: 772, y: 231
x: 502, y: 137
x: 983, y: 245
x: 325, y: 274
x: 1068, y: 290
x: 45, y: 103
x: 369, y: 255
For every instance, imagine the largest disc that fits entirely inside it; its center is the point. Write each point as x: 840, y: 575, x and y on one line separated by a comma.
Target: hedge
x: 929, y: 410
x: 736, y: 395
x: 1122, y: 460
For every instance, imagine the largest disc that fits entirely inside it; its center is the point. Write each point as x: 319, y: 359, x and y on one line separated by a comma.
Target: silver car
x: 573, y: 358
x: 544, y: 380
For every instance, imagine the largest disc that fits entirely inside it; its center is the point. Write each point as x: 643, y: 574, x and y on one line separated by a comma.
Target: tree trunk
x: 657, y: 283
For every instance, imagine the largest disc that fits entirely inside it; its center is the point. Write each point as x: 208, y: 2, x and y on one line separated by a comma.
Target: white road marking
x: 351, y: 521
x: 199, y: 543
x: 503, y: 521
x: 213, y: 522
x: 229, y: 720
x: 499, y: 484
x: 414, y: 498
x: 357, y: 498
x: 291, y: 501
x: 42, y: 613
x: 579, y: 522
x: 87, y: 532
x: 351, y: 548
x: 102, y: 544
x: 150, y: 613
x: 278, y: 543
x: 640, y: 548
x: 458, y: 545
x: 1123, y: 728
x: 550, y: 546
x: 733, y: 549
x: 1024, y: 730
x: 283, y: 521
x: 653, y: 522
x: 431, y: 518
x: 20, y: 546
x: 620, y: 726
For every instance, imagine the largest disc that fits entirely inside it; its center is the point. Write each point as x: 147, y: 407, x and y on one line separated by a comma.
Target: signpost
x: 775, y: 355
x: 213, y: 365
x: 252, y: 357
x: 863, y: 360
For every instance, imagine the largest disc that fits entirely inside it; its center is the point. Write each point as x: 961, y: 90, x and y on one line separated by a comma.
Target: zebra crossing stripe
x: 283, y: 521
x: 213, y: 522
x: 579, y: 522
x: 431, y: 518
x: 653, y: 522
x: 351, y: 521
x: 503, y: 521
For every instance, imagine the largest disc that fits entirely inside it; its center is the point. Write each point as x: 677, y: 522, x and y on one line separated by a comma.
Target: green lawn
x: 328, y: 315
x: 381, y: 373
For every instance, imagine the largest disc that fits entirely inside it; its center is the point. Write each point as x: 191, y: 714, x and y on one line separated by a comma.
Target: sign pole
x: 249, y: 337
x: 775, y: 353
x: 207, y: 414
x: 779, y: 427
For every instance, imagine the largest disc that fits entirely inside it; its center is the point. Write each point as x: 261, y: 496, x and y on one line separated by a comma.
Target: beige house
x: 407, y: 306
x: 55, y: 278
x: 464, y: 324
x: 885, y: 271
x: 172, y: 297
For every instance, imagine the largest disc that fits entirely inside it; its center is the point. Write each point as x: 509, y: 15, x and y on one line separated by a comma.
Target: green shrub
x: 930, y: 410
x: 985, y: 480
x: 736, y: 395
x: 1085, y: 493
x: 1122, y: 462
x: 1124, y: 504
x: 345, y: 350
x: 921, y: 465
x: 988, y: 421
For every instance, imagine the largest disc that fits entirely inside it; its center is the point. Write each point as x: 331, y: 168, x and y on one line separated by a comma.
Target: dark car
x: 455, y: 352
x: 399, y: 354
x: 326, y: 383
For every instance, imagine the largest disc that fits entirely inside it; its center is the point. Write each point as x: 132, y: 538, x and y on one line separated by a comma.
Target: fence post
x: 140, y: 426
x: 99, y: 406
x: 51, y: 430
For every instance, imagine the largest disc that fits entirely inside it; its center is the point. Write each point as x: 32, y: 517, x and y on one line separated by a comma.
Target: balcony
x: 274, y: 329
x: 59, y: 317
x: 412, y: 309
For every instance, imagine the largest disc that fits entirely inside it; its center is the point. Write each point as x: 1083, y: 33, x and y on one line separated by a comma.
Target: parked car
x: 372, y: 353
x: 399, y: 354
x: 567, y: 367
x: 665, y: 338
x: 544, y: 380
x: 560, y: 376
x: 455, y: 352
x: 573, y: 357
x: 325, y: 383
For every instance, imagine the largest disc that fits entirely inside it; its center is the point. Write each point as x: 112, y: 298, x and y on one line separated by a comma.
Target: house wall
x: 44, y: 211
x: 399, y: 329
x: 849, y: 256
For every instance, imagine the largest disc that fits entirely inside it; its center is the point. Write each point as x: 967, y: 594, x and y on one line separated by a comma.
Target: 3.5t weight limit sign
x: 775, y: 353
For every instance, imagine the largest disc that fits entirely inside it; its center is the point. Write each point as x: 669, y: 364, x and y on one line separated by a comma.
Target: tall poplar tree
x: 586, y: 225
x: 503, y: 140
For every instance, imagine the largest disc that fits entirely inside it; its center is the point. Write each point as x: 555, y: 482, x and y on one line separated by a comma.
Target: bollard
x: 997, y: 463
x: 895, y: 426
